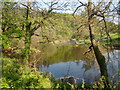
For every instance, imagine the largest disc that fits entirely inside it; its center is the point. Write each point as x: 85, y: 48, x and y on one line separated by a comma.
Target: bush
x: 15, y: 75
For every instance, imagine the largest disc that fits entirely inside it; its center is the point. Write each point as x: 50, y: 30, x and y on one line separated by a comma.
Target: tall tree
x: 95, y: 10
x: 31, y: 25
x: 100, y: 58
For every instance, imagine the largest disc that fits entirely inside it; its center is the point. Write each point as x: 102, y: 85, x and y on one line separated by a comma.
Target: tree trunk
x: 99, y: 57
x: 28, y: 36
x: 27, y: 43
x: 101, y: 62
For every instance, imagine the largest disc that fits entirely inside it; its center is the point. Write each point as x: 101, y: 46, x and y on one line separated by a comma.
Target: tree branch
x: 77, y: 9
x: 82, y: 3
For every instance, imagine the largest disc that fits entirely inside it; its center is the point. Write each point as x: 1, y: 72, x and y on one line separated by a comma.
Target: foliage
x: 16, y: 75
x: 60, y: 85
x: 57, y: 26
x: 101, y: 84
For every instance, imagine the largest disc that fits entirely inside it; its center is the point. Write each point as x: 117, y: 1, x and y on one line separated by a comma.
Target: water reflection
x: 69, y: 60
x: 81, y: 70
x: 63, y: 53
x: 113, y: 65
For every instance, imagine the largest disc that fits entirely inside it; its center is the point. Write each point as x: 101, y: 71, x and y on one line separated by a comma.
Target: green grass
x: 115, y: 39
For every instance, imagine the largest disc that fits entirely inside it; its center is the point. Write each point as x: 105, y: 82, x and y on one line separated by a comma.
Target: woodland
x: 30, y: 25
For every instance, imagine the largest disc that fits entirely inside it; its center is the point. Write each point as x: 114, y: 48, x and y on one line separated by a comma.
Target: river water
x: 70, y: 60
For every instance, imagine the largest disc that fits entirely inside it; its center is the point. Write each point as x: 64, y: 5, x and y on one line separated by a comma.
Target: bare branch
x: 51, y: 5
x: 77, y: 9
x: 97, y: 7
x: 28, y: 5
x: 82, y: 3
x: 107, y: 7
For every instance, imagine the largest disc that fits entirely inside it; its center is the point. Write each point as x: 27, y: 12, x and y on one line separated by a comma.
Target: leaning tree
x: 99, y: 11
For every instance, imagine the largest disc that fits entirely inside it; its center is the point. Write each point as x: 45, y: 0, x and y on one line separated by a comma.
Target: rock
x: 72, y: 80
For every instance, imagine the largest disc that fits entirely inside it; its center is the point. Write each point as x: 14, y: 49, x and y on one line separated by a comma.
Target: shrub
x: 15, y: 75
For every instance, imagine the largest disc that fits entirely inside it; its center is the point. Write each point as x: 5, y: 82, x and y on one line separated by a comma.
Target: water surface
x: 69, y: 60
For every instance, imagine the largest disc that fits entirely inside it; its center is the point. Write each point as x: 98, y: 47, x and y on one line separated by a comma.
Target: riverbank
x: 16, y: 75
